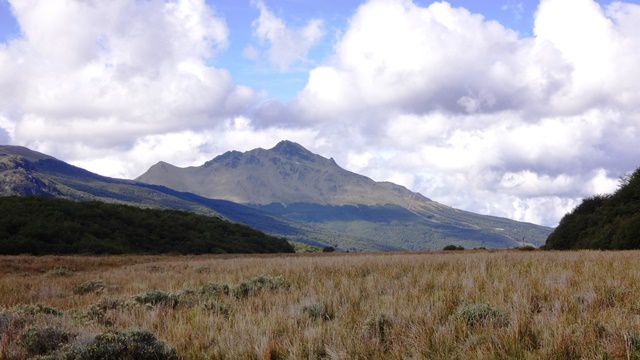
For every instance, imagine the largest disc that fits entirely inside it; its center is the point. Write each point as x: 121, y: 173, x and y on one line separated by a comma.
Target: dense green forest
x: 39, y: 225
x: 603, y: 222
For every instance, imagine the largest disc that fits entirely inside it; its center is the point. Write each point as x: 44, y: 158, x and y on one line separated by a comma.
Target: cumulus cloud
x: 286, y: 46
x: 473, y: 115
x: 102, y: 73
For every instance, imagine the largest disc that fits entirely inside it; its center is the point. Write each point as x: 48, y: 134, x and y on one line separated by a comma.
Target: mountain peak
x: 290, y: 148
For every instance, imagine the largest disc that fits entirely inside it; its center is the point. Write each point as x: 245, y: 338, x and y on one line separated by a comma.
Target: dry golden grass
x: 549, y: 305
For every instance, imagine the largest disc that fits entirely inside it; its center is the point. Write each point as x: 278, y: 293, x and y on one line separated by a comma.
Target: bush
x: 328, y: 249
x: 88, y: 287
x: 477, y: 314
x: 60, y: 271
x: 98, y: 311
x: 319, y: 312
x: 452, y: 248
x: 260, y: 283
x: 157, y: 297
x: 130, y: 345
x: 36, y: 309
x: 40, y: 341
x: 526, y: 248
x: 214, y: 289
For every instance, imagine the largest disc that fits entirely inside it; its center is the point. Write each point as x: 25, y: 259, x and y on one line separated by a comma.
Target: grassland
x: 463, y: 305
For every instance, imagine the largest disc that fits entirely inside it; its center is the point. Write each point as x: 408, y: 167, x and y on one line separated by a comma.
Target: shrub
x: 129, y: 345
x: 37, y: 309
x: 40, y: 341
x: 328, y: 249
x: 214, y: 289
x: 157, y: 297
x: 452, y: 248
x: 319, y: 312
x: 477, y: 314
x: 98, y: 311
x: 260, y: 283
x: 526, y: 248
x: 88, y: 287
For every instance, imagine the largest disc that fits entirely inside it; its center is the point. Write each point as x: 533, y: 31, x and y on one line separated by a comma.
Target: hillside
x: 39, y: 225
x: 603, y: 222
x: 291, y: 182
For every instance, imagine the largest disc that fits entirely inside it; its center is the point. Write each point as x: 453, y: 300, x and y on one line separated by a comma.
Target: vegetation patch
x: 214, y: 289
x: 478, y: 314
x: 157, y: 297
x: 36, y: 309
x: 88, y: 287
x: 259, y: 284
x: 216, y: 307
x: 319, y: 311
x: 453, y: 248
x: 40, y: 341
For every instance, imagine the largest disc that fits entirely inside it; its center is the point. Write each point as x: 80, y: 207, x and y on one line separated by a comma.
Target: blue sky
x: 284, y: 85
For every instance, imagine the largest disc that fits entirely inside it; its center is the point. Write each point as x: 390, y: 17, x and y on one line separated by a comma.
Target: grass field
x: 459, y: 305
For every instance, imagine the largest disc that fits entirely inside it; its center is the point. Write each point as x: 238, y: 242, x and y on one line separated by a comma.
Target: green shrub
x: 88, y: 287
x: 129, y: 345
x: 60, y: 271
x: 98, y: 311
x: 40, y: 341
x: 477, y: 314
x: 157, y: 297
x: 214, y: 289
x: 526, y: 248
x: 452, y: 248
x: 36, y: 309
x: 319, y: 312
x: 258, y: 284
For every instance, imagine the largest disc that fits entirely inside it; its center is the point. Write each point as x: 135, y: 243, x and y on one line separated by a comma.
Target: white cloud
x: 472, y: 115
x: 287, y: 46
x: 101, y: 74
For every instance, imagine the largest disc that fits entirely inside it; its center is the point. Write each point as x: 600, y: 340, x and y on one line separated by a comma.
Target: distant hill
x: 291, y: 182
x: 603, y: 222
x: 39, y: 225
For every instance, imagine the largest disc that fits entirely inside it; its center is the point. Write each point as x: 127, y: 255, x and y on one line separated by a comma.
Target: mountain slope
x: 24, y: 172
x: 602, y: 222
x: 40, y: 225
x: 292, y: 182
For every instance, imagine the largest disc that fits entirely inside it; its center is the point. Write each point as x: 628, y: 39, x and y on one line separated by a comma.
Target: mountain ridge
x: 299, y: 180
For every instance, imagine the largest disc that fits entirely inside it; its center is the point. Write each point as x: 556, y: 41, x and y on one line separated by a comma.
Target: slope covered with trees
x: 603, y: 222
x: 38, y: 225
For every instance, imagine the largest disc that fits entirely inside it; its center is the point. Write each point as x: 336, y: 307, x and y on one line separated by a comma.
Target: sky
x: 510, y: 108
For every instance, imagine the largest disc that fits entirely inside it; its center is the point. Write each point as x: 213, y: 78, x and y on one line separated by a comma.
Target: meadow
x: 449, y: 305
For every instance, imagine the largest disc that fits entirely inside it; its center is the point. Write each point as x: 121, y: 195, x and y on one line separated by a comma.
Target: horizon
x: 517, y: 109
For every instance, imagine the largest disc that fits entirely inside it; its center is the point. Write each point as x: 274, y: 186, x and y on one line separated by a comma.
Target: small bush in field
x: 452, y: 248
x: 127, y: 345
x: 319, y: 312
x: 260, y: 283
x: 214, y: 289
x: 88, y: 287
x: 157, y: 297
x: 98, y: 311
x: 526, y: 248
x: 37, y: 309
x: 9, y: 321
x: 40, y: 341
x: 477, y: 314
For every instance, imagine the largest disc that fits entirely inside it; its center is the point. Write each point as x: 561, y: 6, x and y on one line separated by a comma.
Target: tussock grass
x: 458, y: 305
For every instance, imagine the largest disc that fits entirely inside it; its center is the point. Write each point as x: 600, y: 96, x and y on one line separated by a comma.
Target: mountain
x: 291, y: 182
x: 24, y: 172
x: 602, y: 222
x: 43, y: 225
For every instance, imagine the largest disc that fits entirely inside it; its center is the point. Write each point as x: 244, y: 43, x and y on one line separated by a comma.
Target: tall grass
x: 481, y: 305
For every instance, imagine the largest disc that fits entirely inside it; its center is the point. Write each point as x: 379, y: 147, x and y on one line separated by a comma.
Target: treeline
x: 38, y: 226
x: 603, y: 222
